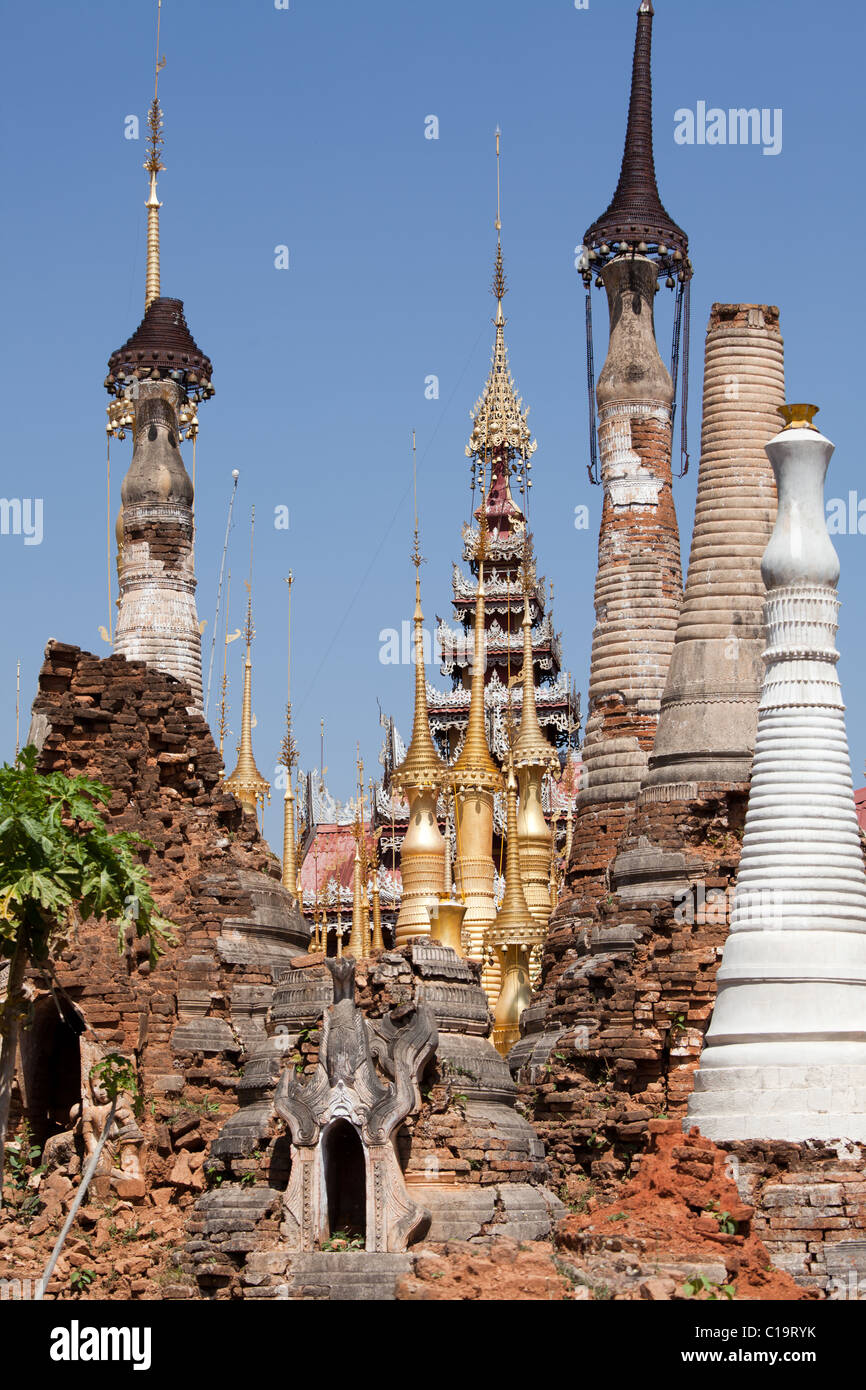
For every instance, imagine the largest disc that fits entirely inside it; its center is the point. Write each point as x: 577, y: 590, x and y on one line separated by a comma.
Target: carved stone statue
x: 123, y: 1158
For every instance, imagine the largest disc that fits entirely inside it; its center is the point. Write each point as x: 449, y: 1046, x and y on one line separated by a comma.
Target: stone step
x: 349, y: 1276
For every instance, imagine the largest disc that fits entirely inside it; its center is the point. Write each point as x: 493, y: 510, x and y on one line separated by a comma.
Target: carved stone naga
x: 343, y: 1121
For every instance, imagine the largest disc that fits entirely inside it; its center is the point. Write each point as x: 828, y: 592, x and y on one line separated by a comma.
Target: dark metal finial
x: 636, y: 216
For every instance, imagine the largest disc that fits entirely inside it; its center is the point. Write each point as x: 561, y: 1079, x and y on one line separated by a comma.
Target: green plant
x: 699, y: 1284
x: 619, y: 1216
x: 726, y: 1223
x: 22, y: 1157
x: 677, y: 1026
x: 195, y: 1107
x: 81, y: 1279
x: 341, y: 1240
x: 60, y: 864
x: 580, y: 1203
x: 247, y: 1179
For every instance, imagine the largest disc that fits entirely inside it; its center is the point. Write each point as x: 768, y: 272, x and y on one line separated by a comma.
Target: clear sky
x: 305, y: 127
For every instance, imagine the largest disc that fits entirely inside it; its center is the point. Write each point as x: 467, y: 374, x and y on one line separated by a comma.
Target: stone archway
x: 50, y: 1067
x: 344, y: 1162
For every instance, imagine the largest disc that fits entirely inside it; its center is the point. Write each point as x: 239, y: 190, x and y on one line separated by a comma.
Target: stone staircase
x: 346, y: 1275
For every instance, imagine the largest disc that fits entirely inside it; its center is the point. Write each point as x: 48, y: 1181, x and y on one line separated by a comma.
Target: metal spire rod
x: 235, y: 476
x: 592, y: 466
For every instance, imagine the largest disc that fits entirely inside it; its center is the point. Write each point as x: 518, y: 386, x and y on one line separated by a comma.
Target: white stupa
x: 785, y: 1055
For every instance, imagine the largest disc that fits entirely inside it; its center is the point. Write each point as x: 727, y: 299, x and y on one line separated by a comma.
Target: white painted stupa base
x: 787, y: 1103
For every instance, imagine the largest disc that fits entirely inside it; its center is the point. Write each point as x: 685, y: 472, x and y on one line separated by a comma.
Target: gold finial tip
x: 799, y: 416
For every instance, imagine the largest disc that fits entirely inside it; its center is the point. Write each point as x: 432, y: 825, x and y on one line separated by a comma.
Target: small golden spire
x: 475, y: 769
x: 422, y: 766
x: 154, y: 166
x: 514, y: 933
x: 514, y: 922
x: 356, y: 937
x: 288, y: 759
x: 531, y: 748
x: 246, y: 782
x: 378, y: 941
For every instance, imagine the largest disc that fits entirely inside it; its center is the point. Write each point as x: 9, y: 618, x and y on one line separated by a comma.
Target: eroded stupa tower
x: 785, y: 1055
x: 157, y: 379
x: 706, y: 732
x: 639, y: 581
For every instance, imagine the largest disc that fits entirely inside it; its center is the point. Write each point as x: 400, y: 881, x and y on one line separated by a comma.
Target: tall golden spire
x: 531, y: 748
x: 422, y: 766
x: 513, y: 933
x: 288, y: 758
x: 246, y: 782
x: 475, y: 768
x: 357, y: 934
x: 514, y: 922
x: 154, y: 166
x: 420, y: 777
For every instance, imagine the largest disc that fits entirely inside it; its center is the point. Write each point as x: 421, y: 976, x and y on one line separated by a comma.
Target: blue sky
x: 305, y: 127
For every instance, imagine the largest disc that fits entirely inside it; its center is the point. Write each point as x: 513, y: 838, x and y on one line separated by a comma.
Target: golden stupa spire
x: 513, y: 933
x: 499, y: 417
x: 357, y: 934
x: 514, y: 922
x: 475, y: 768
x: 247, y: 783
x: 154, y: 166
x: 422, y: 766
x: 288, y: 758
x: 531, y: 748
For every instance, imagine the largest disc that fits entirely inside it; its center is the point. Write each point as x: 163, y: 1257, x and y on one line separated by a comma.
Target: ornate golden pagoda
x: 534, y: 758
x: 513, y: 934
x: 420, y: 777
x: 246, y: 782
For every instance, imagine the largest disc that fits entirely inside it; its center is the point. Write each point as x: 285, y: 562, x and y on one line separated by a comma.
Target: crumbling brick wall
x: 185, y: 1021
x: 628, y: 991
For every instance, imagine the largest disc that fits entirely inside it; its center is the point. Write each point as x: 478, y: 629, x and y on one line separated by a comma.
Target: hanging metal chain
x: 684, y: 423
x: 681, y: 337
x: 592, y: 466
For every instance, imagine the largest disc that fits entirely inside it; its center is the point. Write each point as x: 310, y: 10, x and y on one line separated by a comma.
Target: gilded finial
x: 499, y: 286
x: 531, y: 748
x: 799, y: 417
x: 246, y: 781
x: 288, y: 759
x: 422, y: 766
x: 153, y: 166
x: 499, y: 418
